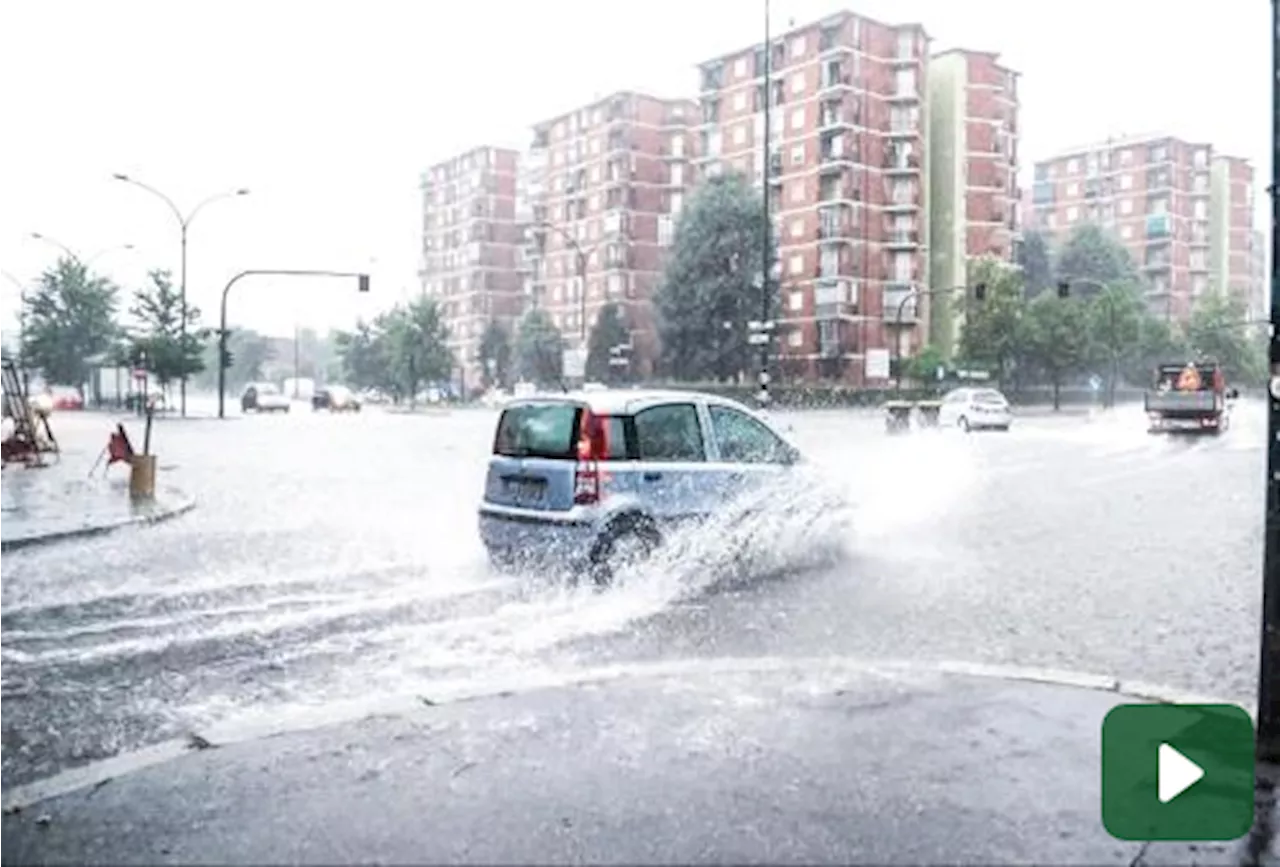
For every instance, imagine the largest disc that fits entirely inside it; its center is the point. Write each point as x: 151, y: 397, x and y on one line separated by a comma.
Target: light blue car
x: 593, y: 480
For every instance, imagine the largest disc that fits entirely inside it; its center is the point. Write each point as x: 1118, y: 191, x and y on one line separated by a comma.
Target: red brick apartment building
x: 1184, y: 213
x: 606, y: 181
x: 469, y: 245
x: 975, y: 203
x: 847, y: 180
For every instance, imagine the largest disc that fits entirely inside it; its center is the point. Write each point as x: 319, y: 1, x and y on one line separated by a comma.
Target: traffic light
x: 1064, y: 289
x: 980, y: 291
x: 364, y: 283
x: 226, y: 358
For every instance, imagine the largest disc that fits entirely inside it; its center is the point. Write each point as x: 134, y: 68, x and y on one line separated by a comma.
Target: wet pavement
x: 333, y: 565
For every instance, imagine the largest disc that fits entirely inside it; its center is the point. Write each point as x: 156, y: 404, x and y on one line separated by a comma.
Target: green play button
x: 1177, y: 772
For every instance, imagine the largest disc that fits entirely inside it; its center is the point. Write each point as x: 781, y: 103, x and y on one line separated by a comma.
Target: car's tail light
x: 593, y: 447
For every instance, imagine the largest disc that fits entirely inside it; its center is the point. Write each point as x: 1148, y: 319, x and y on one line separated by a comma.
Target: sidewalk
x: 736, y: 761
x: 60, y: 501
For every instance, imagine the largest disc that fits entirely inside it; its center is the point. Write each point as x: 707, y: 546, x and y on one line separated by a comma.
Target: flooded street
x: 333, y: 565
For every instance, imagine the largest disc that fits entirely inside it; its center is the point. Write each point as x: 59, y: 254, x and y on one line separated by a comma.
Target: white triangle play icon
x: 1176, y: 773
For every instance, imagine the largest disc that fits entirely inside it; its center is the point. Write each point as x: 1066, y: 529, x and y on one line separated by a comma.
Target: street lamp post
x: 761, y: 334
x: 40, y: 236
x: 184, y: 222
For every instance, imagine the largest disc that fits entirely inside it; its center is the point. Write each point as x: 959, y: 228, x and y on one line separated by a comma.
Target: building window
x: 1126, y: 206
x: 795, y: 338
x: 677, y: 202
x: 677, y: 175
x: 1126, y: 232
x: 666, y: 230
x: 677, y: 145
x: 740, y: 100
x: 1073, y: 189
x: 1073, y: 214
x: 796, y: 265
x: 795, y: 301
x: 797, y: 83
x: 740, y: 67
x: 797, y: 155
x: 797, y: 119
x: 797, y: 228
x: 740, y: 134
x: 797, y: 47
x: 1073, y: 166
x: 797, y: 191
x: 1126, y: 181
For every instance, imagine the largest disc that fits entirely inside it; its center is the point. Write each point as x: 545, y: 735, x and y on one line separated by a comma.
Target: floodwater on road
x: 333, y: 564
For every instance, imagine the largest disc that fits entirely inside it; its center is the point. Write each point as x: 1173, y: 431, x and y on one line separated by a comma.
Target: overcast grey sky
x: 328, y: 112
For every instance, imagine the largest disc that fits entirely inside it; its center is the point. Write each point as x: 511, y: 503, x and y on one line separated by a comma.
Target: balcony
x: 904, y: 130
x: 832, y: 231
x: 897, y: 163
x: 906, y: 95
x: 902, y: 239
x: 900, y: 297
x: 1157, y: 263
x: 901, y: 205
x: 835, y: 310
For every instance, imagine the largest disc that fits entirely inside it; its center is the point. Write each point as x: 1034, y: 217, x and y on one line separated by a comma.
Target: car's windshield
x: 805, y: 431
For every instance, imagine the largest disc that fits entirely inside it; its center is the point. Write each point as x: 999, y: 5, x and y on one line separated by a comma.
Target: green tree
x: 539, y: 349
x: 712, y: 277
x: 923, y: 366
x: 250, y: 353
x: 1115, y: 317
x: 610, y: 330
x: 1093, y: 258
x: 362, y: 357
x: 69, y: 317
x: 495, y: 355
x: 1057, y: 339
x: 1157, y: 343
x: 415, y: 346
x: 991, y: 332
x: 1217, y: 331
x: 170, y: 352
x: 1036, y: 261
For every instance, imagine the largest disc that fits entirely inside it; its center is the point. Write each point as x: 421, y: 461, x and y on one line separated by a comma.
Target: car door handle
x: 652, y: 477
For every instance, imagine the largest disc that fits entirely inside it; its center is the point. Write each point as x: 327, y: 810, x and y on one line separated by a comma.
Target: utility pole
x: 1268, y: 736
x: 767, y: 252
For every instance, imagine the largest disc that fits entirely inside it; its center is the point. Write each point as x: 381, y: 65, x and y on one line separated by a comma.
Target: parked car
x: 595, y: 479
x: 975, y: 409
x: 335, y: 398
x: 263, y: 397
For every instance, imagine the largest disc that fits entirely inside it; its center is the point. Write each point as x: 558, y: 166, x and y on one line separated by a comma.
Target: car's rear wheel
x: 627, y: 541
x: 963, y: 424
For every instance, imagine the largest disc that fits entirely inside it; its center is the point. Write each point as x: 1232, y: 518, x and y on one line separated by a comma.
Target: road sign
x: 1177, y: 772
x: 139, y: 373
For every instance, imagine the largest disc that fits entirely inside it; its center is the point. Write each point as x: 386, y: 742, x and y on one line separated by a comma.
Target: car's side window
x: 743, y: 439
x: 670, y: 433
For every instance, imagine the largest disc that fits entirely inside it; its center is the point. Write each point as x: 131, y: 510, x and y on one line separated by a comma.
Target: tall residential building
x: 469, y: 245
x: 603, y: 185
x: 974, y: 200
x: 1168, y: 201
x: 847, y: 182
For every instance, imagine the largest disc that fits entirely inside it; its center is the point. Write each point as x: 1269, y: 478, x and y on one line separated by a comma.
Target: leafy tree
x: 1091, y: 258
x: 1157, y: 343
x: 1036, y: 261
x: 923, y: 366
x: 495, y: 355
x: 610, y: 330
x: 69, y: 317
x: 362, y: 357
x: 170, y: 352
x: 1057, y: 338
x: 539, y: 349
x: 415, y: 346
x: 250, y: 354
x: 1115, y: 322
x: 992, y: 329
x: 1217, y: 331
x: 713, y: 277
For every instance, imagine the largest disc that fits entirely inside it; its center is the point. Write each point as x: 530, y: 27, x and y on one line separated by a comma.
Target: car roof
x: 623, y: 401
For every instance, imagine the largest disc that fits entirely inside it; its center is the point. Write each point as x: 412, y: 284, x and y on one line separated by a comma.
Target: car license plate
x: 525, y: 489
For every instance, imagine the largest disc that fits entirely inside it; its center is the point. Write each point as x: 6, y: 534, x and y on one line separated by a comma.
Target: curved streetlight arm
x: 40, y: 236
x: 914, y: 295
x: 177, y: 212
x: 229, y: 194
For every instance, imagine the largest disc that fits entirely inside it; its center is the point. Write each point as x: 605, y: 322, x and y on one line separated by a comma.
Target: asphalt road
x: 333, y: 563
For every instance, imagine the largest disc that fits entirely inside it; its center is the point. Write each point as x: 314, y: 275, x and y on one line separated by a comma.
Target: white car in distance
x: 975, y: 409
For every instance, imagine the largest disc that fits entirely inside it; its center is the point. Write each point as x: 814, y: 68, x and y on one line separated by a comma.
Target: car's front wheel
x: 963, y: 424
x: 627, y: 541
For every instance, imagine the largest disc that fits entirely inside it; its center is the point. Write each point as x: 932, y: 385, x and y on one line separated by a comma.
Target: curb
x: 22, y: 796
x: 180, y: 506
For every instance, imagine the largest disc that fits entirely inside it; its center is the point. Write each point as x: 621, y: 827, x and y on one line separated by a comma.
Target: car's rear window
x: 548, y: 430
x: 990, y: 396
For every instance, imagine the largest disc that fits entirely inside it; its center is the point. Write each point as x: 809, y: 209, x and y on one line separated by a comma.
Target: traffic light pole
x: 362, y: 285
x: 1268, y: 739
